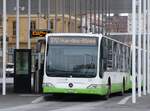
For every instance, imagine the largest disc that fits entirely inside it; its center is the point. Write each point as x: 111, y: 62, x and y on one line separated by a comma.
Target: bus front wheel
x: 108, y: 91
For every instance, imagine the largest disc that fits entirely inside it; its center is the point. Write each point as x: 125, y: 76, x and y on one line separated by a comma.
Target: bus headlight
x: 93, y: 86
x: 48, y: 85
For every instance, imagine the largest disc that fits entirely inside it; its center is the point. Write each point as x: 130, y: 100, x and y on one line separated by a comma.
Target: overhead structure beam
x: 144, y: 48
x: 81, y: 16
x: 70, y: 14
x: 55, y: 15
x: 148, y: 48
x: 39, y: 13
x: 86, y: 15
x: 48, y: 14
x: 139, y: 47
x: 17, y: 24
x: 63, y: 12
x: 4, y: 48
x: 29, y: 23
x: 90, y: 11
x: 133, y: 51
x: 99, y: 16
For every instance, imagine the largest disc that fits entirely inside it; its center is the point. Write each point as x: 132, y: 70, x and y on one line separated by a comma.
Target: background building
x: 36, y: 23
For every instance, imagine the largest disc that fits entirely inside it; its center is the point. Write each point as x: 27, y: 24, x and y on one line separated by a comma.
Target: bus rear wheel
x: 108, y: 92
x: 123, y: 88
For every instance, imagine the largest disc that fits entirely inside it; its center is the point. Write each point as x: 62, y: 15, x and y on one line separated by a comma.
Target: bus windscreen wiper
x: 56, y: 70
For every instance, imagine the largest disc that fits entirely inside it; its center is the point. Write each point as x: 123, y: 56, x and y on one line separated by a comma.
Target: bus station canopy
x: 115, y: 6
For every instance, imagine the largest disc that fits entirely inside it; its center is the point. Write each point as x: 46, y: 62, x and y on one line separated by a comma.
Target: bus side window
x: 109, y: 56
x: 130, y: 62
x: 114, y: 56
x: 103, y: 57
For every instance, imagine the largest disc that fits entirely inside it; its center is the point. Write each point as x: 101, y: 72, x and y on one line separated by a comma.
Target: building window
x: 33, y: 25
x: 0, y: 20
x: 14, y: 27
x: 51, y: 24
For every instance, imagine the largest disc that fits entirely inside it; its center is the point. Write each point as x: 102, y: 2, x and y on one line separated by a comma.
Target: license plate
x: 70, y: 91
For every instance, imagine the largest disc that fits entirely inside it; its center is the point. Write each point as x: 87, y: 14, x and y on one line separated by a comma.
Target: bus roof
x: 74, y: 34
x: 116, y: 41
x: 84, y: 34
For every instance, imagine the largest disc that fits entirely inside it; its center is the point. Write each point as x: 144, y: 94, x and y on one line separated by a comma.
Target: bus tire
x: 108, y: 90
x: 123, y: 88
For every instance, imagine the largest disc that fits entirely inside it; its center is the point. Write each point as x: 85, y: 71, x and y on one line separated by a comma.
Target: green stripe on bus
x: 96, y: 91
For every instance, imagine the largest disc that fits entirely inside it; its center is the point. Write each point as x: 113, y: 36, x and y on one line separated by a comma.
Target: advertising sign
x: 39, y: 33
x: 22, y: 70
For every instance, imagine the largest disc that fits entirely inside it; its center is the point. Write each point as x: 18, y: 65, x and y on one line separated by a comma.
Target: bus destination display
x: 73, y: 40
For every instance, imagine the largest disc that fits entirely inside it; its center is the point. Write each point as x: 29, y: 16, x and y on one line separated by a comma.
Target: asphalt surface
x: 20, y: 102
x: 68, y: 103
x: 40, y: 102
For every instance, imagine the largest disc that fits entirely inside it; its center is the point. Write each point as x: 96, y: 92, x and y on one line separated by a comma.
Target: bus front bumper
x: 95, y: 91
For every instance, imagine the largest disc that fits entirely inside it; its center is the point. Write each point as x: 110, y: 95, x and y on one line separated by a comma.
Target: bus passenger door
x: 38, y: 77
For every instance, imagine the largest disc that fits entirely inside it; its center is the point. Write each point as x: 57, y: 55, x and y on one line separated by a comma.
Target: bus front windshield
x: 71, y: 61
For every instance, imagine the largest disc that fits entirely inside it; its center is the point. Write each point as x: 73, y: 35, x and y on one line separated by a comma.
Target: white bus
x: 80, y: 63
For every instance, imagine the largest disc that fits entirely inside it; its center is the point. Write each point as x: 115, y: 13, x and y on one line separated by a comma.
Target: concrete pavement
x: 71, y: 103
x: 39, y: 102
